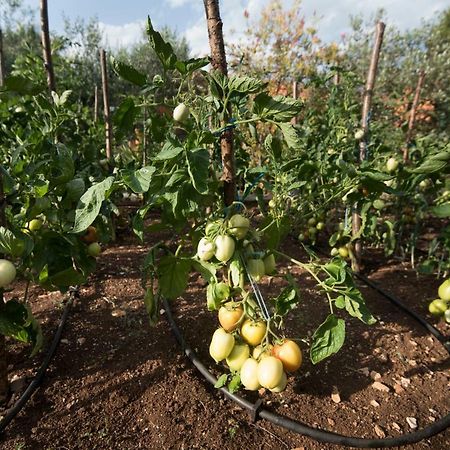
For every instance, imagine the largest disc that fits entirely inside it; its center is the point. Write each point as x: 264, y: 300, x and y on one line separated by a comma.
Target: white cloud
x: 117, y: 36
x: 177, y: 3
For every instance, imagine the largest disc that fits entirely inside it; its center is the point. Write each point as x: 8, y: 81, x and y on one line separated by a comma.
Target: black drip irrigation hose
x: 256, y: 410
x: 37, y: 380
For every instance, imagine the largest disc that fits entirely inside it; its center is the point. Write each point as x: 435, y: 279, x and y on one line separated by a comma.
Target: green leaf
x: 138, y: 180
x: 356, y: 307
x: 291, y: 135
x: 434, y: 163
x: 237, y: 272
x: 286, y: 301
x: 124, y: 117
x: 128, y: 72
x: 22, y: 85
x: 222, y: 381
x: 90, y: 203
x: 206, y: 270
x: 198, y: 168
x: 163, y: 49
x: 244, y: 85
x: 191, y: 65
x: 169, y: 151
x: 327, y: 339
x: 235, y: 383
x: 277, y: 109
x: 216, y: 293
x: 441, y: 211
x: 173, y: 275
x: 67, y: 277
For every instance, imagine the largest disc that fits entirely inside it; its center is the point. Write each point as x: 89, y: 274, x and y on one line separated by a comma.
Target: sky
x: 123, y: 21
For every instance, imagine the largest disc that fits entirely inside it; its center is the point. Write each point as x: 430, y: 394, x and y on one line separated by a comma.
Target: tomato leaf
x: 286, y: 301
x: 356, y: 307
x: 206, y: 269
x: 235, y: 383
x: 221, y: 381
x: 198, y: 168
x: 327, y: 339
x: 291, y: 135
x: 90, y: 203
x: 169, y: 151
x: 163, y: 49
x: 128, y: 72
x: 278, y: 108
x: 442, y: 211
x: 173, y: 275
x: 215, y: 294
x: 138, y: 180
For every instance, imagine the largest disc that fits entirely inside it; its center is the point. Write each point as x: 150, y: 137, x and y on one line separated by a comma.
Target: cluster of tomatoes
x: 245, y: 340
x: 441, y: 306
x: 312, y: 230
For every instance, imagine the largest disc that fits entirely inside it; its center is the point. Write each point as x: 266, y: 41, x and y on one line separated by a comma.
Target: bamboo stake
x: 412, y: 115
x: 46, y: 47
x: 2, y: 61
x: 96, y: 104
x: 106, y: 109
x: 219, y: 63
x: 367, y: 102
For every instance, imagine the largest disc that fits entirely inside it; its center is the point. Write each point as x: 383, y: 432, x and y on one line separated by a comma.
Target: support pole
x: 295, y: 96
x: 96, y: 104
x: 46, y: 47
x: 219, y: 63
x: 367, y: 103
x: 2, y: 61
x: 106, y: 109
x: 412, y: 115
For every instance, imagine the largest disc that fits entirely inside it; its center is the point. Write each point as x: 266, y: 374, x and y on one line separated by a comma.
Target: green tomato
x: 447, y: 315
x: 378, y: 204
x: 7, y: 272
x: 225, y: 247
x: 312, y: 222
x: 444, y: 290
x: 222, y: 344
x: 437, y: 307
x: 256, y: 268
x: 238, y: 226
x: 334, y: 251
x: 205, y: 249
x: 320, y: 226
x: 34, y: 225
x: 343, y: 252
x: 94, y: 249
x: 269, y: 264
x: 181, y: 113
x: 238, y: 356
x: 391, y: 164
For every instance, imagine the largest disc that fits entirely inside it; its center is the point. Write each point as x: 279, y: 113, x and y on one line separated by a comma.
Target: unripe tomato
x: 181, y: 113
x: 270, y: 372
x: 253, y: 332
x: 320, y: 226
x: 343, y: 252
x: 437, y: 307
x: 281, y: 386
x: 7, y: 272
x: 221, y: 345
x: 269, y: 264
x: 447, y: 315
x: 238, y: 226
x: 444, y: 290
x: 94, y: 249
x: 237, y: 357
x: 34, y: 225
x: 334, y: 251
x: 312, y: 232
x: 272, y: 204
x: 359, y: 134
x: 249, y: 375
x: 289, y: 354
x: 391, y: 164
x: 229, y: 315
x: 205, y: 249
x: 256, y: 268
x: 378, y: 204
x: 259, y: 352
x: 312, y: 222
x: 224, y: 247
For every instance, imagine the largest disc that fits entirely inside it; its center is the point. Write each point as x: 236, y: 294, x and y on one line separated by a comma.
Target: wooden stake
x: 367, y: 102
x: 2, y: 61
x: 412, y: 116
x: 96, y: 104
x: 106, y: 109
x: 219, y: 63
x: 295, y: 96
x: 46, y: 47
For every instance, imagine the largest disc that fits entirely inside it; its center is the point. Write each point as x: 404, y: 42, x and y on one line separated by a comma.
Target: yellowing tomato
x: 444, y: 290
x: 181, y: 113
x: 229, y: 315
x: 391, y: 164
x: 270, y: 372
x: 343, y: 252
x: 259, y: 352
x: 225, y: 247
x: 221, y: 345
x: 289, y: 354
x: 437, y: 307
x: 205, y: 249
x: 249, y: 375
x: 238, y: 356
x: 253, y: 332
x: 281, y: 386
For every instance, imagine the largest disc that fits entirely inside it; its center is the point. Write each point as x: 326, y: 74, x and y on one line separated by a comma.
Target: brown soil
x: 116, y: 383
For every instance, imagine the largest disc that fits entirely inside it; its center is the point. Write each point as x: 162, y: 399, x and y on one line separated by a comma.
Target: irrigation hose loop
x: 37, y: 380
x: 317, y: 434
